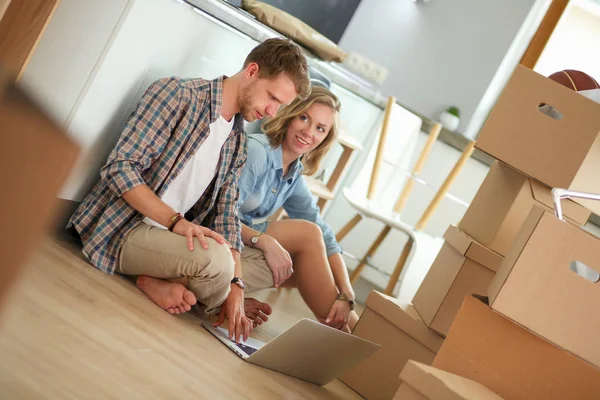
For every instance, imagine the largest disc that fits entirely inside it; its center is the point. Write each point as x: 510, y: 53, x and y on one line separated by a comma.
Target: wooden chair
x: 366, y: 207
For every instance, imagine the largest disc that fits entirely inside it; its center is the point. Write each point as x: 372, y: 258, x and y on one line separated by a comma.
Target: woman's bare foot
x: 170, y: 296
x: 257, y: 311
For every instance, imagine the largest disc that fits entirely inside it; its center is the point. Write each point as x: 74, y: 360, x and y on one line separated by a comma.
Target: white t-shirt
x: 198, y: 172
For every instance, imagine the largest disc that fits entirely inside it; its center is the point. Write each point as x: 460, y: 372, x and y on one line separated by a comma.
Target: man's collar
x: 216, y: 103
x: 216, y: 98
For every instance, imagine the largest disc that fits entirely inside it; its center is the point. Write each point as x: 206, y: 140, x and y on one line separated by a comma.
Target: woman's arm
x: 301, y: 205
x: 340, y: 275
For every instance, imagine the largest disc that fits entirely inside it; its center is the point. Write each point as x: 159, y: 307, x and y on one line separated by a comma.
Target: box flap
x: 553, y: 290
x: 435, y: 384
x: 405, y: 318
x: 513, y: 255
x: 486, y: 347
x: 571, y: 210
x: 472, y: 249
x: 545, y: 150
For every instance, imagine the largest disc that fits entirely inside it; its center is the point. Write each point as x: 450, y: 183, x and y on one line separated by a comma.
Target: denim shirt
x: 263, y: 190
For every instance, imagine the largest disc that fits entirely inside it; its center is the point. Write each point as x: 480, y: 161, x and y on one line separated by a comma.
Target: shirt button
x: 273, y: 190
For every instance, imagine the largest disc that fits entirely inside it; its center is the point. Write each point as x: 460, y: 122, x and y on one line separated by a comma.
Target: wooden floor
x: 73, y: 332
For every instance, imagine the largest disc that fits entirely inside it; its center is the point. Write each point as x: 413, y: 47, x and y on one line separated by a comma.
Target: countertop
x: 246, y: 23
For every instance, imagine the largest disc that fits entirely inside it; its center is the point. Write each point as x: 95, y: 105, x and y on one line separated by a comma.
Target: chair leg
x: 435, y: 202
x: 348, y: 227
x: 356, y: 273
x: 399, y: 267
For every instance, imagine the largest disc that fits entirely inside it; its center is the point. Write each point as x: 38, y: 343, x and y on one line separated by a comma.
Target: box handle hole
x: 585, y: 272
x: 550, y: 111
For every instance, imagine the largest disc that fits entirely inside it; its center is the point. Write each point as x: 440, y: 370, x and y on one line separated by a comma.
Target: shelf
x: 350, y: 142
x: 318, y: 188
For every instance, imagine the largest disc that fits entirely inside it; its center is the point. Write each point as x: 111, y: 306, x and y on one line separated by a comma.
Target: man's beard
x: 246, y: 105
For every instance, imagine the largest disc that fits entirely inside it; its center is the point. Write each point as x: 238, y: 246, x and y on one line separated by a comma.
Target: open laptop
x: 308, y: 350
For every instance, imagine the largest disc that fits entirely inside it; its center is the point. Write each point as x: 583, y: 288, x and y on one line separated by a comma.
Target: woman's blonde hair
x: 275, y: 128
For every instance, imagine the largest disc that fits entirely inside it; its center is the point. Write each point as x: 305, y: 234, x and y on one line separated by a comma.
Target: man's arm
x: 147, y: 203
x: 226, y: 220
x: 144, y: 138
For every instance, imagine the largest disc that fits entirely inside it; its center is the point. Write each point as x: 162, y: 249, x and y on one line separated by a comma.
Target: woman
x: 301, y: 252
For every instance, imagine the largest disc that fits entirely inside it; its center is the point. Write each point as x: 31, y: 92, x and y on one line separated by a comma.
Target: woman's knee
x: 312, y: 232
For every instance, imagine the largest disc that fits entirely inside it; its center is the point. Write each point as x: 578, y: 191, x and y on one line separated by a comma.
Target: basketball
x: 574, y: 80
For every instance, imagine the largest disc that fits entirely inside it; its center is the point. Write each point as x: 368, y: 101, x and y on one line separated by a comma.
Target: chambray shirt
x: 169, y: 124
x: 264, y: 189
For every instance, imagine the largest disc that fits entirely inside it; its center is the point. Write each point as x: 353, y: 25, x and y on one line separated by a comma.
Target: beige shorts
x: 156, y: 252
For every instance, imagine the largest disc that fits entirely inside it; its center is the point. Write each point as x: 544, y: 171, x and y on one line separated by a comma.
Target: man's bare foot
x: 257, y: 311
x: 170, y: 296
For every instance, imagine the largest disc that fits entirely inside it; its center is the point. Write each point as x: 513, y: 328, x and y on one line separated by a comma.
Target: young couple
x: 183, y: 198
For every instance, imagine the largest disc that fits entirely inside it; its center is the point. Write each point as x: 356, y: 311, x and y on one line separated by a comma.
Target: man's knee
x: 221, y: 265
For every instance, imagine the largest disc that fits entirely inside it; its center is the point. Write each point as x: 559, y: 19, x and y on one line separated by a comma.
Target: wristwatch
x: 343, y: 297
x: 254, y: 239
x: 239, y: 282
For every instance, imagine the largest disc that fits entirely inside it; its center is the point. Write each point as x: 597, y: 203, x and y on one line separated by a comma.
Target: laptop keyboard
x: 246, y: 349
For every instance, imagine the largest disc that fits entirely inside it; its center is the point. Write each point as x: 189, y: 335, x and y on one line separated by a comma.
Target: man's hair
x: 275, y: 56
x: 276, y: 127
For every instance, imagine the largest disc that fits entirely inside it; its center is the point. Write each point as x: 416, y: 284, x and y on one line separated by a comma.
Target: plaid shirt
x: 169, y: 124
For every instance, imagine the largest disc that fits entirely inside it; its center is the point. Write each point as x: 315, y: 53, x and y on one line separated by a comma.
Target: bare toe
x: 186, y: 307
x: 169, y: 296
x: 189, y: 298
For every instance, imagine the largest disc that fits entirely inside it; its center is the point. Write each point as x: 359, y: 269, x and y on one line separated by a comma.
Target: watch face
x: 239, y: 282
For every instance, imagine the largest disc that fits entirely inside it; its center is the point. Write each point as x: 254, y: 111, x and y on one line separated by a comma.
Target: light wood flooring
x: 70, y: 331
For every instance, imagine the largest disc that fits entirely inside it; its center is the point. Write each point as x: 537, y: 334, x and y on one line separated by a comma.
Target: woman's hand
x: 338, y: 316
x: 278, y: 259
x: 191, y: 230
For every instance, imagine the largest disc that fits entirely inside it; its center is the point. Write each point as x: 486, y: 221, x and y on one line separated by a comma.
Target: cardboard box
x: 421, y: 382
x: 502, y: 204
x: 35, y: 158
x: 538, y: 288
x: 514, y: 363
x: 560, y: 153
x: 402, y: 336
x: 462, y: 267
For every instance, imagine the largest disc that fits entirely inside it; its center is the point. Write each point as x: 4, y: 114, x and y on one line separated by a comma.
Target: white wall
x: 574, y: 43
x: 98, y: 58
x: 65, y: 60
x: 439, y: 53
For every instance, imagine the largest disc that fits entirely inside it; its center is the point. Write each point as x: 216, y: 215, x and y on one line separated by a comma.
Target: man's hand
x: 277, y: 258
x: 233, y: 310
x: 191, y: 230
x: 338, y: 316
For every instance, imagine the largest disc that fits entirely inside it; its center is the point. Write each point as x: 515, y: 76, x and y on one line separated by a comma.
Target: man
x: 181, y: 153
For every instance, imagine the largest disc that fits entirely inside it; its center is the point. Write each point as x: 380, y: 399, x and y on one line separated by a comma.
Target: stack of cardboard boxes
x: 532, y: 331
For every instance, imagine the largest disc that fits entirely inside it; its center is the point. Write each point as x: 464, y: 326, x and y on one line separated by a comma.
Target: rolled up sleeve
x: 145, y: 136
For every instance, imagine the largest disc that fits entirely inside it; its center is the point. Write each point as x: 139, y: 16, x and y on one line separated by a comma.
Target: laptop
x: 308, y: 350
